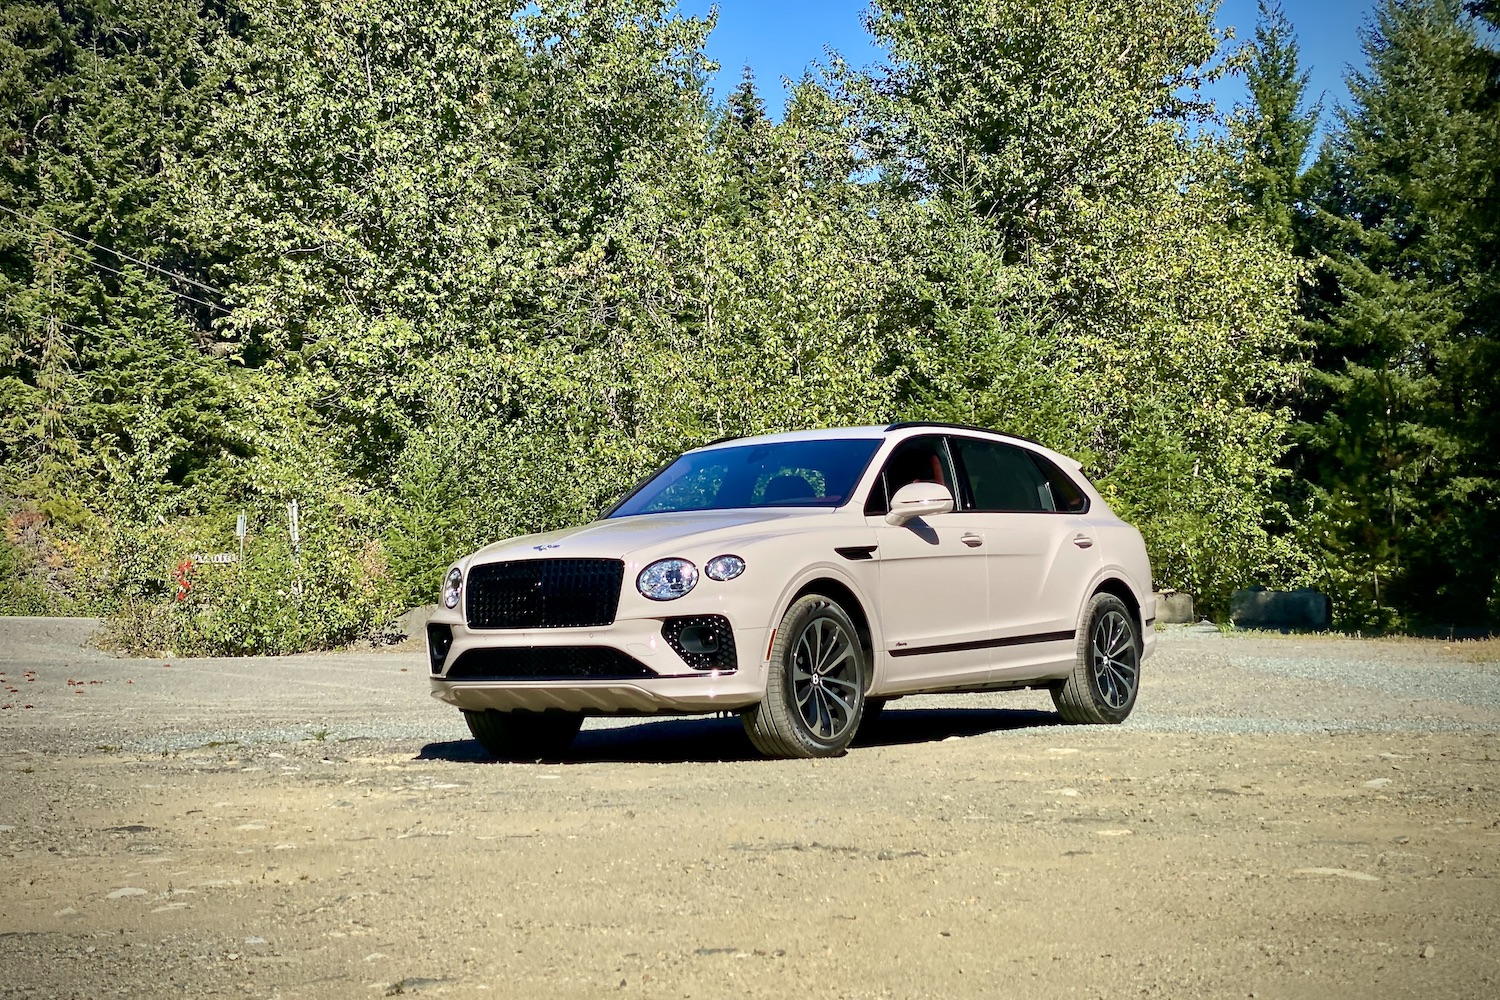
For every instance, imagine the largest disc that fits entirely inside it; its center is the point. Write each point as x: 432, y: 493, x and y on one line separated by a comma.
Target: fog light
x: 705, y: 642
x: 699, y: 639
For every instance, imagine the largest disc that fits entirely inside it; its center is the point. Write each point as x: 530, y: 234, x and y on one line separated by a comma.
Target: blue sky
x: 781, y: 38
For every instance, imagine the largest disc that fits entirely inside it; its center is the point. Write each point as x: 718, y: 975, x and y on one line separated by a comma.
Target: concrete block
x: 1258, y: 607
x: 1173, y: 607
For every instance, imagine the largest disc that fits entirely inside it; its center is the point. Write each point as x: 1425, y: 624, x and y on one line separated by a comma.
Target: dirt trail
x: 1225, y: 843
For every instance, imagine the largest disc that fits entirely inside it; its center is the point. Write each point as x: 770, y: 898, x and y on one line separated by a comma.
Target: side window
x: 1002, y: 477
x: 917, y: 460
x: 1067, y: 496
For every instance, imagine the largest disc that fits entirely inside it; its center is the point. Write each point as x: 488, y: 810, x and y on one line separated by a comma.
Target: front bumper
x: 667, y: 684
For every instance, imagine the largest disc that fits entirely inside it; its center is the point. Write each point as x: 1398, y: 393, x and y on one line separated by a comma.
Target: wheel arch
x: 1121, y: 589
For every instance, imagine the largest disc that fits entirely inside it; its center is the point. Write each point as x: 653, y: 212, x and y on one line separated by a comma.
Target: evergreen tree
x: 108, y: 307
x: 741, y: 134
x: 1398, y: 420
x: 1274, y: 133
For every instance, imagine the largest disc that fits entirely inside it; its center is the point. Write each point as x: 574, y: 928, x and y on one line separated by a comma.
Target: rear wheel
x: 816, y: 692
x: 520, y: 736
x: 1107, y: 676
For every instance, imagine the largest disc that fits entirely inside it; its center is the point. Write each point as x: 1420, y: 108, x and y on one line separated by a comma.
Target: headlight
x: 724, y: 567
x: 667, y: 579
x: 451, y: 587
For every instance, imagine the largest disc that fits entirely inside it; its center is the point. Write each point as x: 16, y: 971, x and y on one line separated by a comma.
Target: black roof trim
x: 960, y: 427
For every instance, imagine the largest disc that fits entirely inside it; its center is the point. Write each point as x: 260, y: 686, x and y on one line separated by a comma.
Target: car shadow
x: 898, y: 726
x: 716, y: 740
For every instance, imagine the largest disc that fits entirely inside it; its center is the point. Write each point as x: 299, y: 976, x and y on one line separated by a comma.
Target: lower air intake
x: 547, y: 663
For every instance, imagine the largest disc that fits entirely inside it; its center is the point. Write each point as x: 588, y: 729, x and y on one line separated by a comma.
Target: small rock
x: 1428, y: 951
x: 255, y: 940
x: 7, y: 829
x: 1377, y: 782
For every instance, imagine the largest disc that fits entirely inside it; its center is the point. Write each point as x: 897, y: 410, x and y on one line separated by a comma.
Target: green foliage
x: 327, y: 591
x: 449, y: 271
x: 1399, y: 437
x: 1075, y: 276
x: 1273, y: 133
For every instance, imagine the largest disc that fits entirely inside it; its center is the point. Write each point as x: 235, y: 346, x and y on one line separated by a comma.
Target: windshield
x: 787, y: 474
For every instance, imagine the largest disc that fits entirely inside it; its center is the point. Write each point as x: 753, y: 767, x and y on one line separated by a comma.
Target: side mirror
x: 919, y: 500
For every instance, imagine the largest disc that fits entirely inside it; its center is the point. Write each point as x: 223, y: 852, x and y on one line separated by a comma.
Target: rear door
x: 1040, y: 550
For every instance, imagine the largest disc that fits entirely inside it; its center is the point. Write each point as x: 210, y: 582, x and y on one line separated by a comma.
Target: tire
x: 524, y: 736
x: 1107, y: 677
x: 815, y: 695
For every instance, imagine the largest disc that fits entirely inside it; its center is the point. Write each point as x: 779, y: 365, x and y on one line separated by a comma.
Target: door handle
x: 1082, y: 541
x: 972, y: 540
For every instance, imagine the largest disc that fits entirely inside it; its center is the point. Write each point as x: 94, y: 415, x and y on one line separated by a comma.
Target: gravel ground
x: 1283, y: 816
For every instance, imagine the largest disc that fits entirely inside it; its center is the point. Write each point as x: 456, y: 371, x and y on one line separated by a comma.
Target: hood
x: 619, y: 538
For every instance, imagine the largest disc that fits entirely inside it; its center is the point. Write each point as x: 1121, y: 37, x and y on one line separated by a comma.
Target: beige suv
x: 804, y: 580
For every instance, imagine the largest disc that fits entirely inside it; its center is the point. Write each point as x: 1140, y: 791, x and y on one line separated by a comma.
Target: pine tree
x: 1274, y: 134
x: 106, y: 307
x: 1398, y: 422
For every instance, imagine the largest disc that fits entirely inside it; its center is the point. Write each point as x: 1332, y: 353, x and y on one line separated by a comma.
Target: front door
x: 933, y: 579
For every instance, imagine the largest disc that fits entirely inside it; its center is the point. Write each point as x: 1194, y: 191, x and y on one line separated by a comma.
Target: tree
x: 1398, y: 424
x: 1067, y: 268
x: 1274, y: 132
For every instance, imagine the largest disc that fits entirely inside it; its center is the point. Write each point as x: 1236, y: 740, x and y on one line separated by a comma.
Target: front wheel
x: 524, y: 736
x: 1107, y: 675
x: 815, y: 694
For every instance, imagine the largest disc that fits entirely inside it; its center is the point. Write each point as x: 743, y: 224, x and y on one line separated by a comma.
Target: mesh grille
x: 723, y: 657
x: 544, y: 593
x: 546, y: 663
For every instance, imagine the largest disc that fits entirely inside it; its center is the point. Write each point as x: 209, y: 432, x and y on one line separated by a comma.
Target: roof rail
x: 903, y: 425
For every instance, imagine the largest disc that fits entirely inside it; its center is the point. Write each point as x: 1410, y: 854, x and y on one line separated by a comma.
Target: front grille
x: 546, y: 663
x: 544, y: 593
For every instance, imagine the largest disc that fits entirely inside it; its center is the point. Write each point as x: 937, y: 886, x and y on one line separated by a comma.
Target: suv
x: 804, y: 580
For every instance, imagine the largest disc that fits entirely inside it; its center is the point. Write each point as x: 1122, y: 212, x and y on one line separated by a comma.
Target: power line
x: 194, y: 360
x: 80, y: 255
x: 118, y: 253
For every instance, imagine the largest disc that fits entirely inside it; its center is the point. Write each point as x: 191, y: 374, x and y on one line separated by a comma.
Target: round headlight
x: 667, y: 579
x: 724, y: 567
x: 451, y: 587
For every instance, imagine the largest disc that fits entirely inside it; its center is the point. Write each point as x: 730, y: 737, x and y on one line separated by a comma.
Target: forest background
x: 451, y: 270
